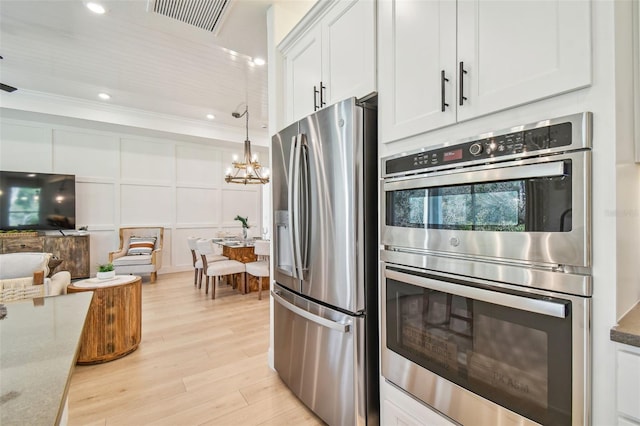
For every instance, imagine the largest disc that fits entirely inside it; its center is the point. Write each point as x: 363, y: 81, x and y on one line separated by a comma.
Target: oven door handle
x: 544, y: 307
x: 529, y: 171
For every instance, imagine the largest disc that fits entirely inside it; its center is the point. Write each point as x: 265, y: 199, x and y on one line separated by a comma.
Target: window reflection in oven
x: 518, y: 359
x: 523, y: 205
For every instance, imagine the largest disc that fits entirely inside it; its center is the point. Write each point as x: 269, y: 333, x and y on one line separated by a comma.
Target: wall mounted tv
x: 38, y: 201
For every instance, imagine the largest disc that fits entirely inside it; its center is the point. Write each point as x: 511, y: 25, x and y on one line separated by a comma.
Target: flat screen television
x: 37, y: 201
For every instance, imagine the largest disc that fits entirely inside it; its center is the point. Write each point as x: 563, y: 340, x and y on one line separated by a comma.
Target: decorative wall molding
x: 168, y: 182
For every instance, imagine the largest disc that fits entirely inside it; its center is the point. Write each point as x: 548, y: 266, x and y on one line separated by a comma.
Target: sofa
x: 25, y: 275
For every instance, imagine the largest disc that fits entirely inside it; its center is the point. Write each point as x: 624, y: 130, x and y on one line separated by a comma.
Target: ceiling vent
x: 205, y: 14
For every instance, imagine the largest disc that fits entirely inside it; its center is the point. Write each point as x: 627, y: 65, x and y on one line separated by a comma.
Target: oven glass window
x: 518, y: 359
x: 526, y: 205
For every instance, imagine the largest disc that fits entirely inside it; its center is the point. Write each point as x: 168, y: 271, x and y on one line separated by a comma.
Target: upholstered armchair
x: 24, y: 276
x: 140, y: 251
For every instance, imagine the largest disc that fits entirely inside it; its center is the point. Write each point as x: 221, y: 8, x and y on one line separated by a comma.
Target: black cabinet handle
x: 315, y: 98
x: 462, y: 73
x: 443, y: 104
x: 322, y: 88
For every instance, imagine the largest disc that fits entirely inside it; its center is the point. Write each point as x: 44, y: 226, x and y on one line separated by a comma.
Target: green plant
x: 244, y: 220
x: 105, y: 267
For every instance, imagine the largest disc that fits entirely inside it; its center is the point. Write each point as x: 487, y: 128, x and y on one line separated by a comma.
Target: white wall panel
x: 167, y: 253
x: 101, y: 243
x: 144, y: 160
x: 95, y: 204
x: 130, y: 180
x: 145, y: 205
x: 198, y: 166
x: 180, y: 248
x: 197, y: 206
x: 87, y: 154
x: 25, y: 148
x: 245, y: 203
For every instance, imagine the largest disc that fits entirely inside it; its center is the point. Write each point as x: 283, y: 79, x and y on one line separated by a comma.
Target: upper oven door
x: 533, y: 210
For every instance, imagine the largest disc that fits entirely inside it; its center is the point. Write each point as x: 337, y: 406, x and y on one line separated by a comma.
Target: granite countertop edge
x: 628, y: 329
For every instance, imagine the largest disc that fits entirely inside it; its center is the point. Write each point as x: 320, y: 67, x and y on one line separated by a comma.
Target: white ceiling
x: 144, y: 60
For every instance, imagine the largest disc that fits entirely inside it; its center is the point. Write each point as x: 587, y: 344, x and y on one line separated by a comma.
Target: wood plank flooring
x: 200, y: 362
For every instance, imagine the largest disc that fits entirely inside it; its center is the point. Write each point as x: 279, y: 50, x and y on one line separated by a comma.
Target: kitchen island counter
x: 39, y: 341
x: 628, y: 329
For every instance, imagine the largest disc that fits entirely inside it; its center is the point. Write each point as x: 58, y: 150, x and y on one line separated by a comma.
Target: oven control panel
x: 525, y: 143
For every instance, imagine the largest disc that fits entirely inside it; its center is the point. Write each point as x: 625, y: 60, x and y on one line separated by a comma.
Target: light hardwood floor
x: 200, y: 362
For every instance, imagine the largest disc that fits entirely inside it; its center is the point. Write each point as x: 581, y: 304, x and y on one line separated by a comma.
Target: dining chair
x: 260, y: 268
x: 197, y: 260
x: 218, y: 269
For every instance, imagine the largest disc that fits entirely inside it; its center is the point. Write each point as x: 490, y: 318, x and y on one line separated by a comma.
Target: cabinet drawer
x: 21, y: 245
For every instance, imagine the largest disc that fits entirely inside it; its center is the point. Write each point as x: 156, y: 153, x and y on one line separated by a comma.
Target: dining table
x: 242, y: 251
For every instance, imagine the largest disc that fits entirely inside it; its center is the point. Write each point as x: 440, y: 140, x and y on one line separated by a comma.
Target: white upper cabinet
x: 348, y: 60
x: 303, y: 75
x: 493, y: 55
x: 417, y: 63
x: 333, y: 58
x: 514, y: 52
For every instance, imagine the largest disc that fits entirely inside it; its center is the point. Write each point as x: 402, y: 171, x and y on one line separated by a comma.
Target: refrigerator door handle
x: 343, y: 328
x: 294, y: 206
x: 305, y: 224
x: 290, y: 201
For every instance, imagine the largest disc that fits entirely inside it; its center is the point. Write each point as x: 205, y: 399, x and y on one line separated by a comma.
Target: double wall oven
x: 486, y: 274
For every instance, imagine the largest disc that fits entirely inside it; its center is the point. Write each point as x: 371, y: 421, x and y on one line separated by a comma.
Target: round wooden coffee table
x: 113, y: 327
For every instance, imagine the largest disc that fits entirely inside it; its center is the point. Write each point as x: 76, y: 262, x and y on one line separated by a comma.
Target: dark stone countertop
x: 628, y: 329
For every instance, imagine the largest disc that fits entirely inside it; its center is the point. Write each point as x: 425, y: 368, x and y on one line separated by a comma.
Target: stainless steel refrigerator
x: 325, y: 230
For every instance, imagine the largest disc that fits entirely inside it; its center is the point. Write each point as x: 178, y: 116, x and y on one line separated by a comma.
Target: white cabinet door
x: 417, y: 42
x: 628, y: 372
x: 302, y: 73
x: 519, y: 51
x: 348, y: 60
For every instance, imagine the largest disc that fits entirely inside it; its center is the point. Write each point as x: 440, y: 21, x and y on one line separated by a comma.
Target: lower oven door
x: 484, y: 354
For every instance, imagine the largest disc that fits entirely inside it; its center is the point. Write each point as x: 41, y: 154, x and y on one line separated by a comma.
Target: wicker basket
x: 19, y: 289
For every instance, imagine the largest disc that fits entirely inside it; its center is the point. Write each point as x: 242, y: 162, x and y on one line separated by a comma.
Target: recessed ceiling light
x: 259, y: 61
x: 104, y: 96
x: 211, y: 116
x: 96, y: 8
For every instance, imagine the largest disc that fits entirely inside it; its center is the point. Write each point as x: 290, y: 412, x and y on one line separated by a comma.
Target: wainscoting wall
x: 125, y: 177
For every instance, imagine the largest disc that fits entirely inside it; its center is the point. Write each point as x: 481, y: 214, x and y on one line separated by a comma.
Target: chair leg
x: 206, y: 291
x: 260, y: 288
x: 214, y: 283
x: 195, y: 277
x: 200, y: 279
x: 154, y: 277
x: 243, y: 283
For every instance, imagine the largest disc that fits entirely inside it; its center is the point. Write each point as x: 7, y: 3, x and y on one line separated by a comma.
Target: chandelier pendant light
x: 249, y: 170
